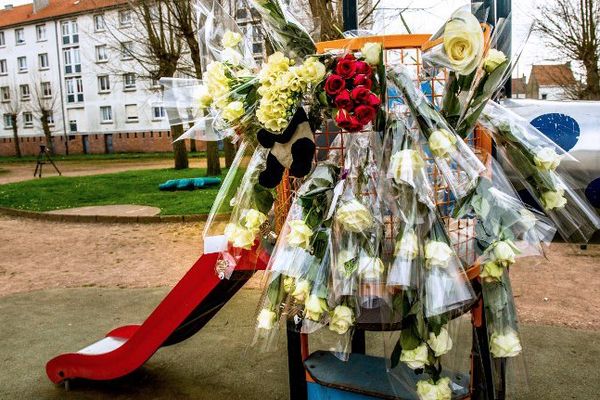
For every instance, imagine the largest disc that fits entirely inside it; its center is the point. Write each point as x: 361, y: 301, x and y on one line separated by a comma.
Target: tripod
x: 44, y: 158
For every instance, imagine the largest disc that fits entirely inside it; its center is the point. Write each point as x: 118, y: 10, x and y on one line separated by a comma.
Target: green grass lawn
x: 107, y: 157
x: 131, y: 187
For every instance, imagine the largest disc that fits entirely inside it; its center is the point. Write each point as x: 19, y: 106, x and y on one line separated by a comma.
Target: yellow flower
x: 504, y: 252
x: 315, y: 306
x: 546, y: 159
x: 405, y: 163
x: 371, y: 52
x: 204, y: 97
x: 289, y: 283
x: 233, y: 111
x: 440, y: 344
x: 253, y: 219
x: 441, y: 390
x: 552, y: 200
x: 505, y: 345
x: 313, y: 70
x: 299, y: 235
x: 438, y: 254
x: 301, y: 291
x: 266, y: 319
x: 341, y: 320
x: 354, y: 216
x: 231, y: 39
x: 442, y: 143
x: 463, y: 42
x: 416, y: 358
x: 239, y: 237
x: 493, y: 60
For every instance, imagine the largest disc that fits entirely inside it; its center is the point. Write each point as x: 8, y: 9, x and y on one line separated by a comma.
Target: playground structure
x: 200, y: 294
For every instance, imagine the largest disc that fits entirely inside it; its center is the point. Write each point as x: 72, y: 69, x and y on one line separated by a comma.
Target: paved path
x: 119, y: 210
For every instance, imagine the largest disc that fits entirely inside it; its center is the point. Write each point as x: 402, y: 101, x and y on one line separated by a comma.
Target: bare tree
x: 11, y: 107
x: 571, y: 28
x: 44, y: 104
x: 329, y: 15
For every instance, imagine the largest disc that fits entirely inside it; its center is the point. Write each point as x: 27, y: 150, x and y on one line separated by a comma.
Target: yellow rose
x: 299, y: 235
x: 546, y: 159
x: 463, y: 42
x: 504, y: 252
x: 253, y: 219
x: 231, y: 39
x: 313, y: 70
x: 552, y: 200
x: 315, y: 306
x: 354, y: 216
x: 441, y: 390
x: 415, y: 358
x: 371, y: 52
x: 493, y: 60
x: 505, y: 345
x: 341, y: 320
x: 301, y: 291
x: 204, y: 97
x: 442, y: 143
x: 288, y: 284
x: 491, y: 272
x: 239, y: 237
x: 405, y: 163
x: 440, y: 344
x: 266, y: 319
x: 408, y: 246
x: 233, y: 111
x: 438, y: 254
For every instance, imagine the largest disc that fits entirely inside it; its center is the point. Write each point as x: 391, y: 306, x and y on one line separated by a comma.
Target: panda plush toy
x: 294, y: 149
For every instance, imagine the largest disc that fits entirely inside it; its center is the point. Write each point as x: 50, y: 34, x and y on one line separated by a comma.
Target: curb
x: 122, y: 219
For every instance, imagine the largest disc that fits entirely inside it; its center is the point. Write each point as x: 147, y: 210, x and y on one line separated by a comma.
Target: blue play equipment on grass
x: 189, y: 184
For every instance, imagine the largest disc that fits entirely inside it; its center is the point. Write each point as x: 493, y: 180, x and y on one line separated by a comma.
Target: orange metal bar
x: 390, y: 42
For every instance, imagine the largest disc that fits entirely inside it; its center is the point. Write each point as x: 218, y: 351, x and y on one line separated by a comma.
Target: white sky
x: 426, y: 16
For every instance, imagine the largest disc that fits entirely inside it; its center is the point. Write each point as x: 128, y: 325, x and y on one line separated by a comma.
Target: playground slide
x: 196, y: 298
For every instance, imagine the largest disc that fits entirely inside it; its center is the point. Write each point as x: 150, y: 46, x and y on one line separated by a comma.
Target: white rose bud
x: 405, y: 163
x: 416, y: 358
x: 493, y: 60
x: 505, y: 345
x: 528, y: 219
x: 231, y: 39
x: 546, y: 159
x: 552, y: 200
x: 371, y: 52
x: 233, y: 111
x: 442, y: 143
x: 299, y: 235
x: 232, y: 56
x: 301, y: 291
x: 491, y: 272
x: 315, y: 306
x: 463, y: 42
x: 253, y: 219
x: 370, y: 268
x: 408, y: 246
x: 239, y: 237
x: 266, y: 319
x: 341, y: 320
x: 440, y: 344
x: 441, y: 390
x: 354, y: 216
x: 438, y: 254
x: 504, y: 252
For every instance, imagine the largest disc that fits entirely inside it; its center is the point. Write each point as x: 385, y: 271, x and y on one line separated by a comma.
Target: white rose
x: 341, y: 320
x: 239, y: 236
x: 504, y: 252
x: 266, y: 319
x: 299, y: 235
x: 408, y: 246
x: 440, y: 344
x: 370, y: 268
x: 438, y: 254
x: 442, y: 143
x: 505, y: 345
x: 253, y: 219
x: 231, y: 39
x: 233, y: 111
x: 204, y: 97
x: 416, y: 358
x: 463, y: 42
x: 354, y: 216
x: 313, y: 70
x: 405, y: 163
x: 288, y: 284
x: 493, y: 60
x: 371, y: 52
x: 546, y: 159
x: 552, y: 200
x: 491, y: 272
x: 528, y: 219
x: 315, y: 306
x: 232, y: 56
x: 441, y: 390
x: 301, y: 291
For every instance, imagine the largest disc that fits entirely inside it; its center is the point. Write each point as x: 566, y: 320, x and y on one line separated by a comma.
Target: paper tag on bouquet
x: 337, y: 192
x: 215, y: 244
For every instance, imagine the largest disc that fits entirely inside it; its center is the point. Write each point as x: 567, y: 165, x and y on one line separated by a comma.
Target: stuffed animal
x: 294, y: 149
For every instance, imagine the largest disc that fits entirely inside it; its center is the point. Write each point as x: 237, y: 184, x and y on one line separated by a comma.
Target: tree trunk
x: 330, y: 20
x: 13, y: 118
x: 213, y: 164
x: 47, y: 131
x: 193, y: 148
x: 229, y: 150
x: 592, y: 81
x: 179, y: 150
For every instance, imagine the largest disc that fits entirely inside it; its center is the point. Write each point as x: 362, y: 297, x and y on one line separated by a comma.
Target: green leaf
x: 263, y: 199
x: 408, y: 339
x: 395, y: 357
x: 274, y: 290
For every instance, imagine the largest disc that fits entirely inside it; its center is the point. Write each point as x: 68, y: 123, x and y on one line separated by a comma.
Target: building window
x: 43, y: 61
x: 5, y: 93
x: 2, y: 39
x: 8, y: 121
x: 40, y: 32
x: 3, y: 67
x: 25, y: 93
x: 125, y: 17
x: 103, y: 84
x: 99, y: 23
x: 131, y: 112
x: 158, y: 113
x: 126, y: 50
x: 544, y: 96
x: 50, y: 118
x: 74, y: 88
x: 257, y: 48
x: 22, y: 64
x: 101, y: 53
x: 70, y: 33
x: 72, y: 60
x: 20, y: 36
x: 72, y: 125
x: 46, y: 89
x: 241, y: 13
x: 106, y: 114
x: 28, y: 119
x: 129, y: 81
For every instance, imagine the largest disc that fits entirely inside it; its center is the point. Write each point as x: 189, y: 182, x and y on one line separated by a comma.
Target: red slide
x: 197, y: 297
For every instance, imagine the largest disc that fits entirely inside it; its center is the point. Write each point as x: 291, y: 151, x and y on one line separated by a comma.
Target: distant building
x: 551, y: 82
x: 519, y: 88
